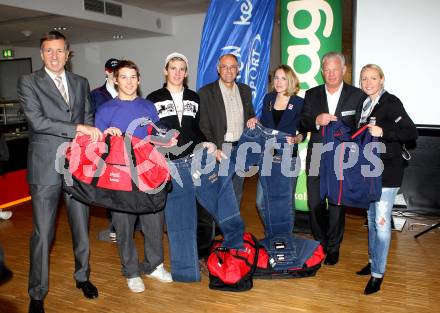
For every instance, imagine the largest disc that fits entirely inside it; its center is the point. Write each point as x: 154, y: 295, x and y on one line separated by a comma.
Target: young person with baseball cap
x: 107, y: 91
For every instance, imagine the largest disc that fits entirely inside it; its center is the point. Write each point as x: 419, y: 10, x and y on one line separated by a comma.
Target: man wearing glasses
x: 225, y: 107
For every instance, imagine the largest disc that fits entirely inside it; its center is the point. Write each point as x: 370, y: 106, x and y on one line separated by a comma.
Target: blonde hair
x: 372, y: 67
x: 185, y: 80
x: 292, y: 80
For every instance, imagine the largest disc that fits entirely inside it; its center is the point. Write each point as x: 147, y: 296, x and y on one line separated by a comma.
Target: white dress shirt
x: 333, y: 99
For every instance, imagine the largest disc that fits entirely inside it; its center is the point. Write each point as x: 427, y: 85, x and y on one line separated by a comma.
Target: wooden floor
x: 412, y: 282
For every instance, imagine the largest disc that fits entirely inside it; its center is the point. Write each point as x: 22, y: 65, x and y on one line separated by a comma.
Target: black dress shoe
x: 366, y: 270
x: 373, y: 285
x: 332, y: 258
x: 36, y: 306
x: 5, y: 274
x: 89, y: 290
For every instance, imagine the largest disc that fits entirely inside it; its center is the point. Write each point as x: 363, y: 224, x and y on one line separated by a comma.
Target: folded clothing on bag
x: 288, y: 256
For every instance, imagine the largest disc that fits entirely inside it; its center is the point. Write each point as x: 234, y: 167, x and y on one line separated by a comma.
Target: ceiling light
x: 59, y: 28
x: 26, y: 33
x: 118, y: 36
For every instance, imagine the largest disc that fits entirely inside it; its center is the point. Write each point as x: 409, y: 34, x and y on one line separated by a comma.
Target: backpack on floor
x: 231, y: 269
x: 288, y: 257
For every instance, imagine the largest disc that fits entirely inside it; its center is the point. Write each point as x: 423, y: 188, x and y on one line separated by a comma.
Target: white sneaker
x: 161, y: 274
x: 5, y: 215
x: 135, y: 284
x: 112, y: 236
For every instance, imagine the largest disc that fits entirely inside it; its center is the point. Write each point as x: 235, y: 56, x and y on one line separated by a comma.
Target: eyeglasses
x: 228, y: 67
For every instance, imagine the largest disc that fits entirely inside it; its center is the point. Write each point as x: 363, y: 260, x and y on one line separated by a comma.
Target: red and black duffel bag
x: 122, y: 173
x: 231, y: 269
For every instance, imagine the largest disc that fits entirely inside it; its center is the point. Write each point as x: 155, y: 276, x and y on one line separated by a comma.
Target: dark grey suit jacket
x: 51, y: 121
x: 213, y: 122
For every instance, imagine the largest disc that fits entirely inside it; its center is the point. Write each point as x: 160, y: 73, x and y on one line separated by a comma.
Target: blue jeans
x: 277, y: 169
x: 379, y: 231
x: 197, y: 178
x: 287, y: 214
x: 227, y: 171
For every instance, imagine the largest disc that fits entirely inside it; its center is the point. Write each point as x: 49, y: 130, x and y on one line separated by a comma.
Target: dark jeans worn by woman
x: 278, y: 171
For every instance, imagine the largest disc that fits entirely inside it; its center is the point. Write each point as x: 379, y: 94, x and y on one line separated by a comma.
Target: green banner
x: 309, y: 29
x: 300, y: 200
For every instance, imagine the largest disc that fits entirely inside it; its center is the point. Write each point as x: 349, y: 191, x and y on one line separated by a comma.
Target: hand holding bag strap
x: 101, y: 163
x: 132, y: 162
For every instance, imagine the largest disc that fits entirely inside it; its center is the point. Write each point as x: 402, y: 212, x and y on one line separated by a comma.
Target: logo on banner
x: 242, y: 28
x: 311, y: 49
x: 246, y: 13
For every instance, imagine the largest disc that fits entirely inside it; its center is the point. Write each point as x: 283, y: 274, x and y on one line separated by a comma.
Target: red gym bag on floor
x: 121, y: 173
x: 231, y: 269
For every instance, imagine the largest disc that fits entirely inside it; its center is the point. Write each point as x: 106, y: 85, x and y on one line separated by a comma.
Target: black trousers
x: 326, y: 223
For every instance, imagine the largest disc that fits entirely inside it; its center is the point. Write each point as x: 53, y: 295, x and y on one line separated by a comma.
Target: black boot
x: 36, y: 306
x: 5, y: 274
x: 373, y: 285
x: 366, y: 270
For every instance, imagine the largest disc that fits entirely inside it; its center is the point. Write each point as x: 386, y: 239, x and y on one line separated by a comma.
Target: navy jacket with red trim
x: 346, y: 168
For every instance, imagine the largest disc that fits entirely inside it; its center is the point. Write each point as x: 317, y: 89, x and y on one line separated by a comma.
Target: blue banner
x: 243, y: 28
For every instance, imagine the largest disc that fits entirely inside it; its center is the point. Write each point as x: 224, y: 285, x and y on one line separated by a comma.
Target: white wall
x: 149, y: 54
x: 402, y: 37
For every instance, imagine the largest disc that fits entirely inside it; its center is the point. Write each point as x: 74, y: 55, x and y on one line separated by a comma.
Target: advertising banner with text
x: 243, y: 28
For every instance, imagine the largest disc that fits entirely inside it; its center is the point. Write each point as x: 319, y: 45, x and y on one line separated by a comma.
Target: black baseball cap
x: 111, y: 64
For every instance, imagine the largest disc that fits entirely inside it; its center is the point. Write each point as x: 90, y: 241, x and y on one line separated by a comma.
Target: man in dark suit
x: 225, y: 107
x: 56, y: 104
x: 332, y: 101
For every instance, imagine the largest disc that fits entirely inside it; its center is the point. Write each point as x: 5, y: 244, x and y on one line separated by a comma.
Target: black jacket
x: 398, y: 128
x: 189, y: 128
x: 99, y: 96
